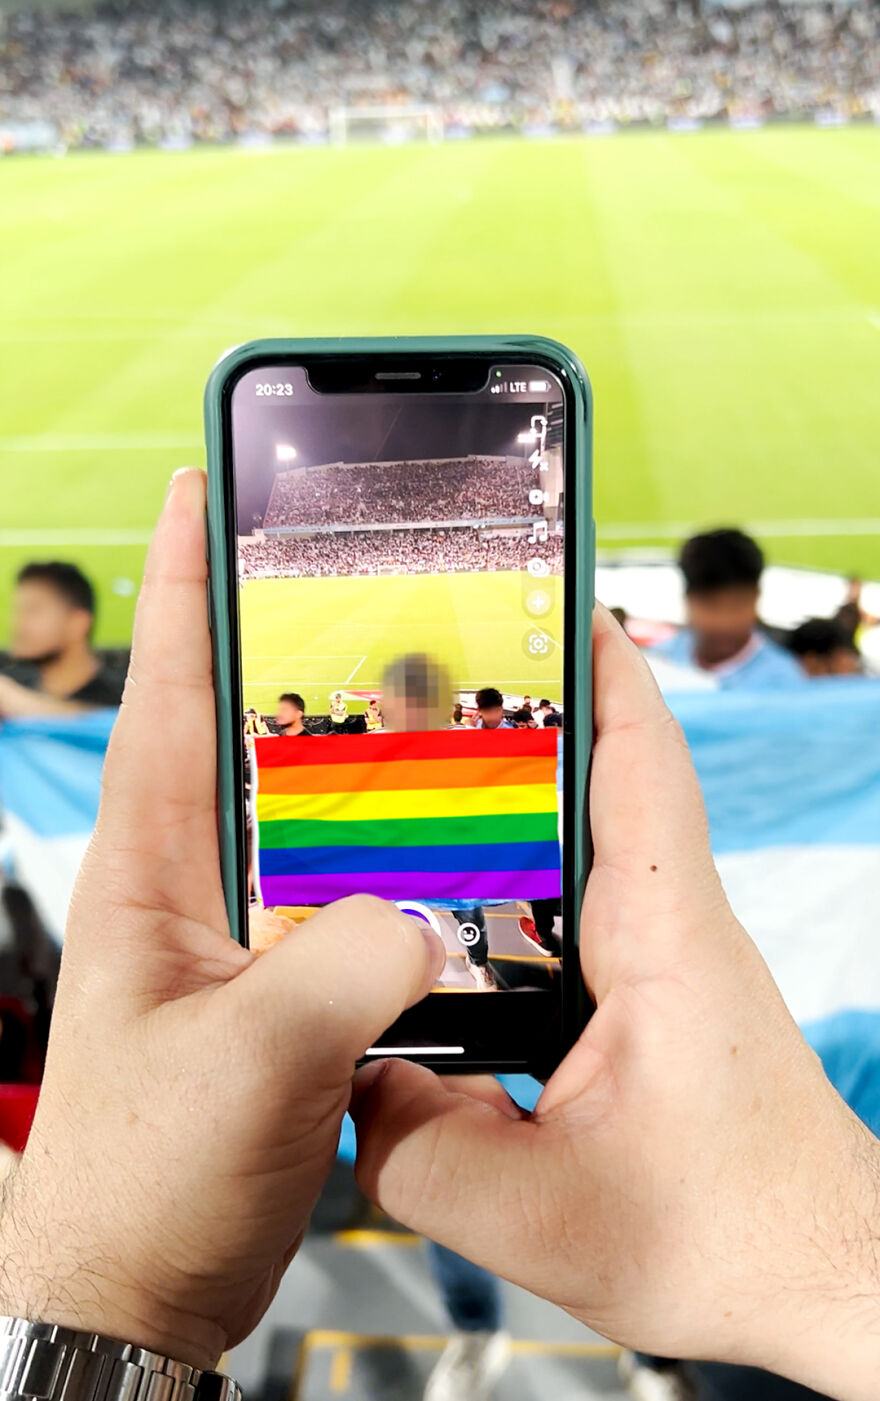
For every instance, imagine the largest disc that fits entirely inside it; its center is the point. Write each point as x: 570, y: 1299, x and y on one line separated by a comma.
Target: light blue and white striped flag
x: 791, y: 780
x: 50, y: 783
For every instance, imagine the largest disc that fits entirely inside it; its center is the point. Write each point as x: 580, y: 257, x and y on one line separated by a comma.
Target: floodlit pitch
x: 722, y: 288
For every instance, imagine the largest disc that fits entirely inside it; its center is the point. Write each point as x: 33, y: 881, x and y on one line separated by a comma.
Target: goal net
x: 391, y: 125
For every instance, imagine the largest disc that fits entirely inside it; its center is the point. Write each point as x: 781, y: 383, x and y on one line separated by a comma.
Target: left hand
x: 193, y: 1094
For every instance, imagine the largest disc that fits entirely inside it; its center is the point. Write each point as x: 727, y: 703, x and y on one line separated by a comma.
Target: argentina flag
x: 50, y: 785
x: 791, y: 780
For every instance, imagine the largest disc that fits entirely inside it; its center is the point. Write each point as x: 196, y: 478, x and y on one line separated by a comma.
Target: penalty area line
x: 353, y: 673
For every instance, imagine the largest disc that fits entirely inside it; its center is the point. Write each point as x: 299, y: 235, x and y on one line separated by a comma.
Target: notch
x: 398, y: 374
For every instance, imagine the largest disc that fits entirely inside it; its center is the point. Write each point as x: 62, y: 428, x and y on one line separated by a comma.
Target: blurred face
x: 492, y: 716
x: 287, y: 714
x: 722, y: 621
x: 840, y: 662
x: 44, y: 625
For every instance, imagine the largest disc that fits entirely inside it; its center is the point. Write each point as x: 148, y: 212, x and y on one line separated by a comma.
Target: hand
x: 17, y: 701
x: 193, y: 1093
x: 689, y: 1183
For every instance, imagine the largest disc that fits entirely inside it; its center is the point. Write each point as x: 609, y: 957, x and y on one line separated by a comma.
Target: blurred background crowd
x: 723, y: 289
x: 184, y: 70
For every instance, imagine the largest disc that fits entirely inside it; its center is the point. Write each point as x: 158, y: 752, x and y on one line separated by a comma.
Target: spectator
x: 523, y: 719
x: 290, y: 715
x: 54, y: 668
x: 851, y: 614
x: 722, y: 578
x: 490, y: 710
x: 254, y: 724
x: 825, y: 647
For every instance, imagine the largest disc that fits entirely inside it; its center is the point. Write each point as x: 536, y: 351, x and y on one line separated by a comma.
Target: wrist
x: 51, y: 1274
x: 825, y: 1329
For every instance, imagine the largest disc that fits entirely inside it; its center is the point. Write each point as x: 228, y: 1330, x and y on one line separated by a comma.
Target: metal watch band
x: 44, y: 1361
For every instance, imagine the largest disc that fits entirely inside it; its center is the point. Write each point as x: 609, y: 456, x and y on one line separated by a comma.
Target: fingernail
x: 180, y: 472
x: 364, y: 1080
x: 436, y: 951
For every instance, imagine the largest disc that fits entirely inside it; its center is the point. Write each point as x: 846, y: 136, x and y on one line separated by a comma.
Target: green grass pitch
x: 319, y: 635
x: 722, y: 288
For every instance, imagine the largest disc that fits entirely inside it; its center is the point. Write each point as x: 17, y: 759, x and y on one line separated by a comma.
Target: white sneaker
x: 485, y: 980
x: 648, y: 1383
x: 468, y: 1367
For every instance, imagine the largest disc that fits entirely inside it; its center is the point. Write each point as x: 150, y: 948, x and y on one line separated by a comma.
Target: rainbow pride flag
x: 468, y: 816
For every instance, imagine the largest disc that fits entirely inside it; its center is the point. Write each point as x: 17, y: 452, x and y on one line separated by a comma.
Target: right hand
x: 689, y: 1184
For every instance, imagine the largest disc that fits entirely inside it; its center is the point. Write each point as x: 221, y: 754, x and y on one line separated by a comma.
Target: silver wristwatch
x: 58, y: 1364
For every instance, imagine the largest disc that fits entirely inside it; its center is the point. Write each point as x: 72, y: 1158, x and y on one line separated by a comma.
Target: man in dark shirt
x: 290, y: 713
x: 54, y: 669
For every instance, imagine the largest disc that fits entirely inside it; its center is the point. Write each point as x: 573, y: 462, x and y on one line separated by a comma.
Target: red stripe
x: 281, y: 752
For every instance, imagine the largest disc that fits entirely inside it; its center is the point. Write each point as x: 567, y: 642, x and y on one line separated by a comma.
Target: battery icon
x: 538, y: 386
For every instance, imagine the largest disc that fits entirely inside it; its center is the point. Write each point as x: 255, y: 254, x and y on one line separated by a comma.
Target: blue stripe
x: 335, y: 860
x: 848, y: 1044
x: 794, y: 767
x: 50, y: 771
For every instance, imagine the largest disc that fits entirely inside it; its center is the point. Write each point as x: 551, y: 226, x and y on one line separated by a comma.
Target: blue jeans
x: 472, y: 1296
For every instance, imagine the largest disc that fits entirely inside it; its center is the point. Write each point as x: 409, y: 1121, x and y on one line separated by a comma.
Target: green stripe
x: 419, y: 831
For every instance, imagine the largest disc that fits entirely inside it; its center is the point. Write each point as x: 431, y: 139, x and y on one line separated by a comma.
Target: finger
x: 159, y: 778
x: 487, y: 1090
x: 328, y: 990
x: 443, y: 1162
x: 652, y: 862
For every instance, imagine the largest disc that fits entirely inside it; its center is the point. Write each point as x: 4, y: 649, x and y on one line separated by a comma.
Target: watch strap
x: 50, y: 1363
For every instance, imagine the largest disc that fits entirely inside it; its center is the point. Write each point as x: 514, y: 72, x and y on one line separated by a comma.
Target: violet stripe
x: 435, y: 886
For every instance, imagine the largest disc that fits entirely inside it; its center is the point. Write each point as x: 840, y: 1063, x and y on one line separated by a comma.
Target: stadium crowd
x: 384, y: 551
x: 182, y: 70
x: 376, y: 492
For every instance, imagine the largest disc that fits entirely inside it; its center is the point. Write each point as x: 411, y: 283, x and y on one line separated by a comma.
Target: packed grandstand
x: 417, y: 551
x: 179, y: 71
x: 491, y: 488
x: 305, y: 530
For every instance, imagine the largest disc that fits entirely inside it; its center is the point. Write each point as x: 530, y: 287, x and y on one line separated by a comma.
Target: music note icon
x: 539, y: 533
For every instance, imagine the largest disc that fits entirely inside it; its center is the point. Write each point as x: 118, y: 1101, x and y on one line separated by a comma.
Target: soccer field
x: 722, y: 288
x: 319, y: 635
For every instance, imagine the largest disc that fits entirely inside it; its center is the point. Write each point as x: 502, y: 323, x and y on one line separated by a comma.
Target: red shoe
x: 529, y: 932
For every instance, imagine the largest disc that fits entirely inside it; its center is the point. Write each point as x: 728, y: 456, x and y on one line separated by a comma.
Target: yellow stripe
x: 363, y: 1239
x: 429, y: 802
x: 415, y: 1342
x: 340, y: 1370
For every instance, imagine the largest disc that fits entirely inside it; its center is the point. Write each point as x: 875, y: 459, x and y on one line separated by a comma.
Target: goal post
x: 386, y: 123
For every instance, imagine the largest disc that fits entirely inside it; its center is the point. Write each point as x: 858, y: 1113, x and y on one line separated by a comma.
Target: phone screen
x: 400, y: 594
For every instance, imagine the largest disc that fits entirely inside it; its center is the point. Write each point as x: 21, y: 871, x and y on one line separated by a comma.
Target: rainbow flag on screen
x: 435, y: 815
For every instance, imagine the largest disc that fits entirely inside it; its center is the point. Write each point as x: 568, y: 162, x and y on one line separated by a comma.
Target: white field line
x: 69, y: 539
x: 99, y: 442
x: 617, y: 530
x: 308, y: 656
x: 354, y: 673
x: 457, y: 685
x: 166, y: 326
x: 774, y: 529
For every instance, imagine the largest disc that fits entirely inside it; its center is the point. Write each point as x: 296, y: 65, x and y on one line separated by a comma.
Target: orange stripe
x: 420, y: 774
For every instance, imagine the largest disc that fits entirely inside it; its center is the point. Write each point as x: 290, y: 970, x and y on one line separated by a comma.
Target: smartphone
x: 401, y: 588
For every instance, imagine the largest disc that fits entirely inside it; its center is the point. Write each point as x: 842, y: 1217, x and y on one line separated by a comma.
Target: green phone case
x: 223, y: 583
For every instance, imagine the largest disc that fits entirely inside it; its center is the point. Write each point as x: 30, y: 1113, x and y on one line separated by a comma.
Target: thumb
x: 328, y: 990
x: 440, y: 1160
